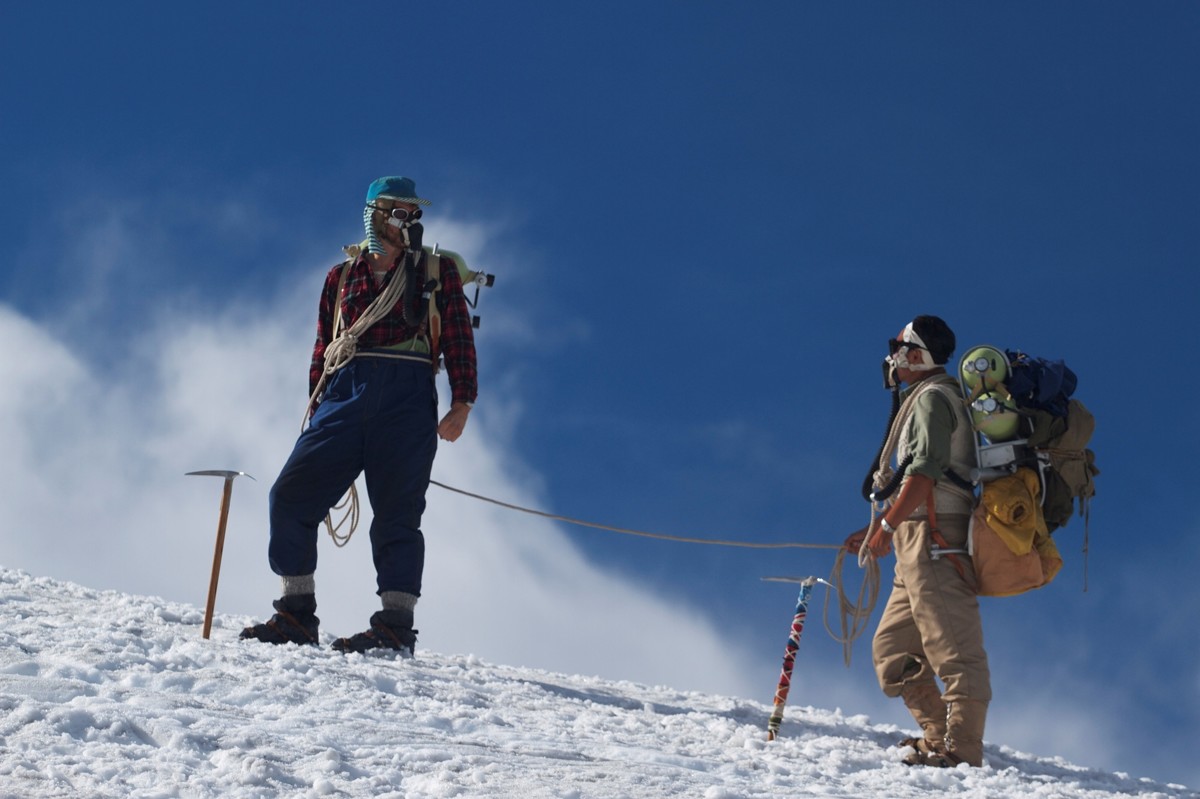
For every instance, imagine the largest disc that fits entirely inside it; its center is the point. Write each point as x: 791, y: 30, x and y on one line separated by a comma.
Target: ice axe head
x: 226, y: 473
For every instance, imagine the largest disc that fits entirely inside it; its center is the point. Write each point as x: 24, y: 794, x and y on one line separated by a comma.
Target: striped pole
x: 789, y: 658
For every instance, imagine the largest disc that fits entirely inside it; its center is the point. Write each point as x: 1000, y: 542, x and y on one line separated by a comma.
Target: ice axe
x: 789, y: 655
x: 216, y: 569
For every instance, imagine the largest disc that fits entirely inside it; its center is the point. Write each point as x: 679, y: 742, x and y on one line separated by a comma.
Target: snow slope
x: 110, y: 695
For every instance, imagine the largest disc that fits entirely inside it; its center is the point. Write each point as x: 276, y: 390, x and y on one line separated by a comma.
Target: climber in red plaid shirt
x: 374, y: 412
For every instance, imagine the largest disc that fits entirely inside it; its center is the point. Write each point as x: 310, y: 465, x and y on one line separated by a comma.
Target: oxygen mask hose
x: 868, y: 484
x: 414, y: 233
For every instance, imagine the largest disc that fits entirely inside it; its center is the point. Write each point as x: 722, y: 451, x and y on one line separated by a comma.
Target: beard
x: 392, y: 237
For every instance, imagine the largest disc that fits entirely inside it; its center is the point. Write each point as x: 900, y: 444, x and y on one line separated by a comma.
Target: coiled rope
x: 853, y: 615
x: 344, y: 346
x: 340, y: 352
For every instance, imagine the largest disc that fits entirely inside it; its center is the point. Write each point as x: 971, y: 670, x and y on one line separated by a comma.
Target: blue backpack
x: 1040, y: 384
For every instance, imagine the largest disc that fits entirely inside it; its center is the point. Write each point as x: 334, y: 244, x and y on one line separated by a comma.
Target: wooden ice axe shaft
x: 220, y: 547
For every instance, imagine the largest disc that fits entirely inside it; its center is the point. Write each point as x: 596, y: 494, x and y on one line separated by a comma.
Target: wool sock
x: 398, y: 600
x: 299, y: 584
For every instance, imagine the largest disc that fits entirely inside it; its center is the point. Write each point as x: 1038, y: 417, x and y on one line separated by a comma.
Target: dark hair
x: 937, y: 335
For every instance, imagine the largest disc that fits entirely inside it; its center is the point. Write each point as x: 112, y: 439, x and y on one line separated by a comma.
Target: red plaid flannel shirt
x: 457, y: 343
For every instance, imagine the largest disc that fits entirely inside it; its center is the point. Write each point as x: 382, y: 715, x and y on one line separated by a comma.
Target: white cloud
x: 1052, y: 716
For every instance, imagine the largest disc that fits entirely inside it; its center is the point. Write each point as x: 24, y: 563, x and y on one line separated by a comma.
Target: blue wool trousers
x: 378, y: 417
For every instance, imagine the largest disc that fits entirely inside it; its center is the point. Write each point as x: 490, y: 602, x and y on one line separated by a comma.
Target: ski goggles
x: 399, y: 214
x: 895, y: 346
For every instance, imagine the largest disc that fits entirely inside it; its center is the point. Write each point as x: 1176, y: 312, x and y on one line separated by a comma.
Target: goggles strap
x: 911, y: 336
x: 900, y: 359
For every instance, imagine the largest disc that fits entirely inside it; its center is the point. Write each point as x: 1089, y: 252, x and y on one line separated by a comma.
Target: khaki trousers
x: 930, y: 630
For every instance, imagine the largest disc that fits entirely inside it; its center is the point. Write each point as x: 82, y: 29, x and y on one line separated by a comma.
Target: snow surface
x: 104, y: 694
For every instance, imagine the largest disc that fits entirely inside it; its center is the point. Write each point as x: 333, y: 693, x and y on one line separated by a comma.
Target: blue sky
x: 704, y: 222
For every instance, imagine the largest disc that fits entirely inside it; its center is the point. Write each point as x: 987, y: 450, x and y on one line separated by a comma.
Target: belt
x: 393, y: 355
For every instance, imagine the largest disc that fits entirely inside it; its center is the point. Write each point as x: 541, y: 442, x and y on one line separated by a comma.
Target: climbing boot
x: 294, y: 622
x: 924, y: 702
x: 921, y: 753
x: 390, y: 629
x: 965, y: 720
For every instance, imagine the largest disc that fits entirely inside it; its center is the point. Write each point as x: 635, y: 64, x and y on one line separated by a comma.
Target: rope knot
x: 340, y: 352
x: 884, y: 475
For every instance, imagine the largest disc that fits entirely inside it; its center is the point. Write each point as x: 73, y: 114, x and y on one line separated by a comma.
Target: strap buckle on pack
x: 937, y: 552
x: 941, y: 547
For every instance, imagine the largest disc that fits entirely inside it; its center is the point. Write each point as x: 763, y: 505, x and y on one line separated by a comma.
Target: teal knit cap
x: 395, y: 188
x: 391, y: 188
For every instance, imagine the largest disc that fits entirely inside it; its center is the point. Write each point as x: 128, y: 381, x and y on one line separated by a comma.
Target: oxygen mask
x: 890, y: 379
x: 896, y: 360
x: 897, y: 357
x: 403, y: 219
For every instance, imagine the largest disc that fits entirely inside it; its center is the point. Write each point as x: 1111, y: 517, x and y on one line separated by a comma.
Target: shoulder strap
x: 902, y: 415
x: 958, y: 409
x: 433, y: 273
x: 949, y: 394
x: 886, y: 481
x: 337, y: 300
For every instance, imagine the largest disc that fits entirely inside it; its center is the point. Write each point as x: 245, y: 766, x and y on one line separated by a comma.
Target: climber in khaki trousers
x: 931, y: 628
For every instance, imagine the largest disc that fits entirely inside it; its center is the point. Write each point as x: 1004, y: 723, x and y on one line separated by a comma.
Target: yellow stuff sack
x: 1010, y: 546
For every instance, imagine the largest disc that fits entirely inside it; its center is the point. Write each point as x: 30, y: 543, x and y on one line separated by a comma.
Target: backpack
x: 1027, y: 421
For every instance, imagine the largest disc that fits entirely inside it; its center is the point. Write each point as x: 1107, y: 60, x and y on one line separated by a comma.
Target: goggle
x: 894, y: 346
x: 979, y: 365
x: 400, y: 214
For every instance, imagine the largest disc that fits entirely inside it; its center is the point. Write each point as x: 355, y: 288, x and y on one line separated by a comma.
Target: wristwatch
x: 887, y: 528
